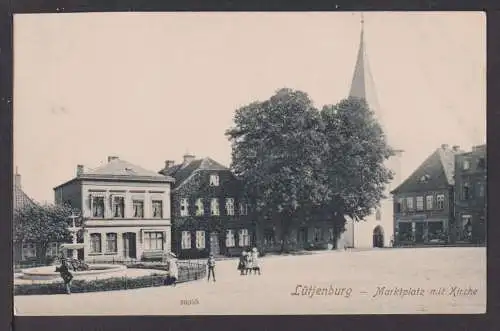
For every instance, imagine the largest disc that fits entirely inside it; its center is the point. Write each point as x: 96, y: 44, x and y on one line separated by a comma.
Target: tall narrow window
x: 378, y: 214
x: 409, y: 203
x: 95, y: 243
x: 429, y: 202
x: 186, y: 240
x: 243, y: 208
x: 52, y: 249
x: 440, y: 201
x: 466, y: 164
x: 420, y: 203
x: 481, y: 163
x: 98, y: 207
x: 465, y: 191
x: 138, y: 206
x: 118, y: 207
x: 184, y: 207
x: 331, y: 234
x: 230, y: 206
x: 200, y: 239
x: 243, y: 238
x: 157, y: 208
x: 401, y: 203
x: 199, y: 207
x: 318, y: 234
x: 214, y: 180
x: 230, y: 242
x: 111, y: 246
x: 214, y: 207
x: 480, y: 189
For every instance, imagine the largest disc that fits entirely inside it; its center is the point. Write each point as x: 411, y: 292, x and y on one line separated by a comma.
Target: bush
x: 98, y: 285
x: 187, y: 272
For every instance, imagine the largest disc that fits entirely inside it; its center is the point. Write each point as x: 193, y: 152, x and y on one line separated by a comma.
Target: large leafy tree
x: 277, y: 152
x: 354, y: 166
x: 42, y: 224
x: 301, y: 165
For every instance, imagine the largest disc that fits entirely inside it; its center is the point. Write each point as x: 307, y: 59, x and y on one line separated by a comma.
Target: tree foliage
x: 42, y: 224
x: 299, y: 164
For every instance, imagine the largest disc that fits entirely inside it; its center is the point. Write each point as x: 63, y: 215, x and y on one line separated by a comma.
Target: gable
x: 437, y: 170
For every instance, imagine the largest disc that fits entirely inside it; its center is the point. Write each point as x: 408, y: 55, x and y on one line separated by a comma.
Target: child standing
x: 255, y: 261
x: 211, y: 267
x: 241, y: 263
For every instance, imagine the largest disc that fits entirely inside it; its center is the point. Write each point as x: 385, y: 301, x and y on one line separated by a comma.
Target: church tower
x: 377, y: 229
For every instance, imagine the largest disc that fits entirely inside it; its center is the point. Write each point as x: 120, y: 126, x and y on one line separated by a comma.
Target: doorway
x: 378, y: 237
x: 214, y: 243
x: 129, y: 245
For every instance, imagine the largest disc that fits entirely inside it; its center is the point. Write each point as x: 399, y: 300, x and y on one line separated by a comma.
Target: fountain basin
x: 50, y: 273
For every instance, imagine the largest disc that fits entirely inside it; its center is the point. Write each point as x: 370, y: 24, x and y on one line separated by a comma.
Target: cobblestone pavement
x: 359, y: 273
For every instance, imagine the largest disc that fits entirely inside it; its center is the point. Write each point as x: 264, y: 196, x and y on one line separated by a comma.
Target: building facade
x: 470, y: 196
x: 23, y: 252
x: 208, y: 213
x: 423, y: 203
x: 126, y: 211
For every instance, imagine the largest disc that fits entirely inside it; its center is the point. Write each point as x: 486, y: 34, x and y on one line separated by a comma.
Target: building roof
x: 20, y: 199
x: 181, y: 172
x: 437, y: 171
x: 121, y: 170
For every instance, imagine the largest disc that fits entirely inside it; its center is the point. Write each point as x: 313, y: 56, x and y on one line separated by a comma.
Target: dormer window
x: 425, y: 178
x: 214, y: 180
x: 184, y: 207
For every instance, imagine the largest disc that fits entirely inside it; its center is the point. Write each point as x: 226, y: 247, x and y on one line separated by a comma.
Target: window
x: 317, y: 234
x: 466, y: 164
x: 429, y: 202
x: 378, y: 215
x: 243, y: 238
x: 157, y: 209
x: 153, y: 241
x: 95, y: 243
x: 186, y: 240
x: 200, y: 239
x: 420, y: 203
x: 409, y: 203
x: 98, y: 207
x: 199, y: 207
x: 214, y: 180
x: 480, y: 189
x: 138, y: 206
x: 214, y: 207
x: 230, y: 206
x: 243, y: 208
x: 118, y: 207
x: 331, y: 234
x: 52, y: 249
x: 230, y: 238
x: 465, y: 191
x: 440, y: 201
x: 400, y: 207
x: 184, y: 207
x: 111, y: 246
x: 29, y: 250
x: 481, y: 163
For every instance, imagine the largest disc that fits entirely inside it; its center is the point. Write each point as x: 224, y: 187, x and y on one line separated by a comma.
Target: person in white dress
x: 255, y: 265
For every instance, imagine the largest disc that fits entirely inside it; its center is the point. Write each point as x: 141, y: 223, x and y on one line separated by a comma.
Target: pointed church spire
x: 358, y: 85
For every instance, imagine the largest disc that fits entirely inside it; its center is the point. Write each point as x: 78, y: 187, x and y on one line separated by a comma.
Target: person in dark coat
x: 241, y: 263
x: 65, y: 275
x: 211, y: 267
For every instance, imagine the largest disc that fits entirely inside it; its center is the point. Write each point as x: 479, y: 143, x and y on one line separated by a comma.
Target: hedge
x: 187, y: 273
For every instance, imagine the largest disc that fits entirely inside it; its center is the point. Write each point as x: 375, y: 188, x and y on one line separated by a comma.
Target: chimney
x: 456, y: 148
x: 444, y: 146
x: 79, y: 170
x: 17, y: 179
x: 188, y: 158
x: 169, y: 163
x: 111, y: 158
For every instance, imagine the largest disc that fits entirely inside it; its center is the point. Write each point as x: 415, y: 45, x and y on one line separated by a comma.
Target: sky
x: 149, y: 87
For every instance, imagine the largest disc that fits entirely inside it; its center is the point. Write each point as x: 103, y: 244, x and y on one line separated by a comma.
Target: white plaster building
x: 380, y: 224
x: 126, y: 210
